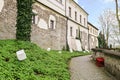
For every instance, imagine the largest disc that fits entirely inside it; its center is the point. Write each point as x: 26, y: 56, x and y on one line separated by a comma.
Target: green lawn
x: 39, y: 65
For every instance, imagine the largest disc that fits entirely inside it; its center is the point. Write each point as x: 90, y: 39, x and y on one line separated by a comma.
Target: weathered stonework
x: 84, y: 40
x: 93, y: 41
x: 111, y: 61
x: 49, y: 38
x: 8, y: 20
x: 112, y: 64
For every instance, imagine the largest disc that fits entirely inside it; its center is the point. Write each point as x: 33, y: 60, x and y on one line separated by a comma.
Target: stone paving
x: 84, y: 68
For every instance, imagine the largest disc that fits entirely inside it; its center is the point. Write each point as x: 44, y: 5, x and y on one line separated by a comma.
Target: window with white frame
x: 52, y: 22
x: 71, y: 31
x: 34, y: 17
x: 69, y: 11
x: 60, y: 1
x: 84, y: 22
x: 77, y: 33
x: 80, y: 18
x: 75, y: 15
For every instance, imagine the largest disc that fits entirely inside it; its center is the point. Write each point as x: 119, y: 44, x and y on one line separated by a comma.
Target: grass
x: 39, y: 65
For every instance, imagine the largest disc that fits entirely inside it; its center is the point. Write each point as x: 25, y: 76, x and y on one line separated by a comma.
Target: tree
x: 115, y: 35
x: 24, y: 19
x: 117, y: 14
x: 106, y: 19
x: 101, y: 41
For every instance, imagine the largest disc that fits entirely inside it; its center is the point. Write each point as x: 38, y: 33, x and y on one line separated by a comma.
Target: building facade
x: 77, y: 26
x: 49, y: 24
x: 55, y: 24
x: 93, y: 34
x: 8, y: 14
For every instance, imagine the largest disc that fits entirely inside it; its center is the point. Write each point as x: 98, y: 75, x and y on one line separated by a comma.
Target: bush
x: 39, y: 65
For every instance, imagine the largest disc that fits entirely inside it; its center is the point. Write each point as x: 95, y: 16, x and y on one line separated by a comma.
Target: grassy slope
x: 39, y: 65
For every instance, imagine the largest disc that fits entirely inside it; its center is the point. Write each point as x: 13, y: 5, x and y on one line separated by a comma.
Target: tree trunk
x: 117, y: 15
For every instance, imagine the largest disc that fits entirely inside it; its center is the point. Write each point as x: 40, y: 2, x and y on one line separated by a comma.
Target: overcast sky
x: 95, y: 7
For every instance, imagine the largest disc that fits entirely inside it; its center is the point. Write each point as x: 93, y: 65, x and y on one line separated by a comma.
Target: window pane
x: 84, y: 22
x: 75, y: 15
x: 70, y: 11
x: 60, y: 1
x: 51, y: 24
x: 80, y: 18
x: 70, y: 31
x: 33, y: 19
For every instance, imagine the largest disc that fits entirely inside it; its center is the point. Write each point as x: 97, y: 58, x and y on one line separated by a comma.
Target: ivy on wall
x: 24, y: 19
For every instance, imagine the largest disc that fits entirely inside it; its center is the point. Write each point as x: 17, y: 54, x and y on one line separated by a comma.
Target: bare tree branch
x: 117, y: 14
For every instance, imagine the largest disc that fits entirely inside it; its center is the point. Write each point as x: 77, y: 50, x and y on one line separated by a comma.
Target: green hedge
x: 39, y: 65
x: 24, y: 19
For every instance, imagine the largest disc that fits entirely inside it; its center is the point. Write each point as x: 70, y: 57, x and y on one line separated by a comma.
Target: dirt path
x: 83, y: 68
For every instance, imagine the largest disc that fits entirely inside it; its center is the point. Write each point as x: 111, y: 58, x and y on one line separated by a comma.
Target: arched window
x: 35, y: 17
x: 52, y: 22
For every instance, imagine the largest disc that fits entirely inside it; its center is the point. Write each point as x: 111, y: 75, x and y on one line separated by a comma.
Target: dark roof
x: 80, y: 7
x: 93, y: 25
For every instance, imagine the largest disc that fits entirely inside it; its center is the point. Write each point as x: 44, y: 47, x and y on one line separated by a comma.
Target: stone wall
x: 92, y: 41
x: 84, y: 40
x: 8, y: 15
x: 111, y: 61
x: 42, y: 34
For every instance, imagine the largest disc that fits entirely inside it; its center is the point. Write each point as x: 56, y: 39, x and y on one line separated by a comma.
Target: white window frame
x: 52, y: 18
x: 35, y: 17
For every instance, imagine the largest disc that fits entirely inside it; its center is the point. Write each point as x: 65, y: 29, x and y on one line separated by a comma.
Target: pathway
x: 83, y: 68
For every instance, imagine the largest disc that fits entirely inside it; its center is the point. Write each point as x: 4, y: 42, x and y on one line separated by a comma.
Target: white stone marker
x: 60, y: 52
x: 21, y: 55
x: 71, y: 50
x: 48, y: 49
x: 1, y: 5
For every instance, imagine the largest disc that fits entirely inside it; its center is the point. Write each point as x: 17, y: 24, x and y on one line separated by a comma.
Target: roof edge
x: 93, y: 25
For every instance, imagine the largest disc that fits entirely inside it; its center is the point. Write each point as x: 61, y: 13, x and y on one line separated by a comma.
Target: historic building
x: 93, y: 34
x: 76, y: 25
x: 49, y: 24
x: 55, y: 24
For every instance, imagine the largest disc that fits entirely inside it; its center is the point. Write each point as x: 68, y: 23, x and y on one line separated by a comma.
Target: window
x: 80, y: 19
x: 75, y: 15
x: 77, y: 33
x: 70, y: 31
x: 51, y: 24
x: 81, y: 34
x: 69, y: 11
x: 84, y: 22
x: 60, y: 1
x: 35, y: 17
x: 91, y: 30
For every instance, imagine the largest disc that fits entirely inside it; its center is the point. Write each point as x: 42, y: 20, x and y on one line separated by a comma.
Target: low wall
x: 112, y: 60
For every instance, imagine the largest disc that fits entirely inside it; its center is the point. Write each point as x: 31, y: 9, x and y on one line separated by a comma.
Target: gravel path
x: 83, y: 68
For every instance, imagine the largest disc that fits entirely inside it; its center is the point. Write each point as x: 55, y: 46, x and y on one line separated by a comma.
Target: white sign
x: 21, y: 55
x: 1, y: 5
x: 48, y: 49
x: 71, y: 50
x: 60, y: 52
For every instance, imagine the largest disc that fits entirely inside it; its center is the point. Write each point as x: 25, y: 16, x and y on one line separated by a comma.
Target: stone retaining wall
x: 112, y: 60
